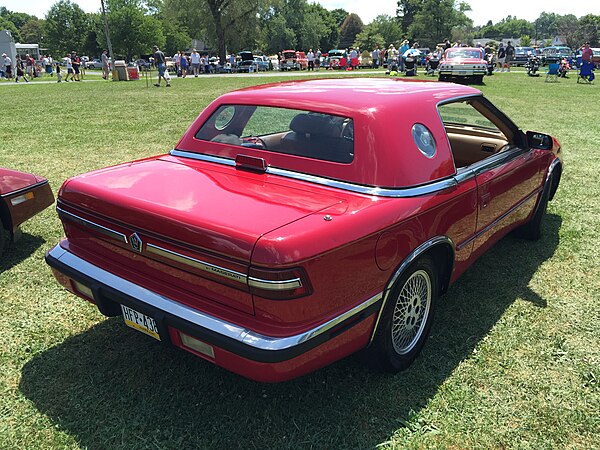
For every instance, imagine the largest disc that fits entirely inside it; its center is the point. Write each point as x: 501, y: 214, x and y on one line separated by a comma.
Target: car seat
x: 321, y: 137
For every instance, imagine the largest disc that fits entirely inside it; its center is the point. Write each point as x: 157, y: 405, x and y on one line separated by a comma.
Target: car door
x: 509, y: 176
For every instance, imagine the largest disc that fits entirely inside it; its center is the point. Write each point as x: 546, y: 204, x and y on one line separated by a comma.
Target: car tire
x: 442, y: 78
x: 532, y: 230
x: 405, y: 323
x: 3, y: 239
x: 478, y: 79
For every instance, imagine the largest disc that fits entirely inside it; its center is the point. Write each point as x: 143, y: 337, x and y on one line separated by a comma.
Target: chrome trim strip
x: 413, y: 191
x: 498, y: 220
x: 196, y: 263
x: 274, y: 285
x: 203, y: 320
x: 25, y: 189
x: 407, y: 262
x: 89, y: 224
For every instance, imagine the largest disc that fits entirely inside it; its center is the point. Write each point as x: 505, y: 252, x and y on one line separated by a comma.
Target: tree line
x: 273, y: 25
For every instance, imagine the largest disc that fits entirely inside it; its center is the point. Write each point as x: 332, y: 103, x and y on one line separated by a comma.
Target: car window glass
x: 462, y: 113
x: 290, y: 131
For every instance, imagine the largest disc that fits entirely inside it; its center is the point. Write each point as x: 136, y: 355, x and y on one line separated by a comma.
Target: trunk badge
x: 136, y: 242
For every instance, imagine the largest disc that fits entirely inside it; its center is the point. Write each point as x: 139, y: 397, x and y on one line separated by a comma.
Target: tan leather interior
x: 470, y: 145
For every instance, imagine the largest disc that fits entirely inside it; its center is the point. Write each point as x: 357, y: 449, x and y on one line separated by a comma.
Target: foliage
x: 349, y: 30
x: 435, y: 20
x: 66, y: 27
x: 369, y: 38
x: 525, y: 41
x: 406, y: 12
x: 34, y: 31
x: 6, y: 24
x: 388, y: 28
x: 588, y: 30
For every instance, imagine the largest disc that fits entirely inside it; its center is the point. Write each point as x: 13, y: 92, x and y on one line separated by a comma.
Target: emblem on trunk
x: 136, y: 243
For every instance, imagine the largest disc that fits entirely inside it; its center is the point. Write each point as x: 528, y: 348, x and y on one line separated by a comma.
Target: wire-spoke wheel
x: 406, y: 320
x: 411, y: 312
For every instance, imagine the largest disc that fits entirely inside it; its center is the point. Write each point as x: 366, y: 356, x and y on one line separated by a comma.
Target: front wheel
x: 405, y: 323
x: 532, y: 230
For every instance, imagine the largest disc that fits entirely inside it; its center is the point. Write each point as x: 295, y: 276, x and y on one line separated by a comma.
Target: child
x: 58, y: 74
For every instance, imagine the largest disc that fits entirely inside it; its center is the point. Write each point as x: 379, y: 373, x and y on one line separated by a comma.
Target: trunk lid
x: 202, y: 211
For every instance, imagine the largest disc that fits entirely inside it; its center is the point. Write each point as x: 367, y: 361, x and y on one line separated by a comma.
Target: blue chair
x: 585, y: 74
x: 552, y: 73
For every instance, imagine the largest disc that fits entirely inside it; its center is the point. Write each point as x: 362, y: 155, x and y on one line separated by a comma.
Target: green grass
x: 513, y: 360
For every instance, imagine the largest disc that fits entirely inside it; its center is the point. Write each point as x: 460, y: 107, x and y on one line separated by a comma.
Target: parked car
x: 522, y: 55
x: 595, y: 57
x: 274, y: 61
x: 463, y: 62
x: 22, y: 196
x: 93, y: 64
x: 261, y: 63
x: 289, y: 228
x: 333, y: 59
x: 293, y: 60
x: 555, y: 54
x: 143, y: 64
x: 246, y: 62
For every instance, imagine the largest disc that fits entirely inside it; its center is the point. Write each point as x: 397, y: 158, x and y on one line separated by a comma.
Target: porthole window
x: 224, y: 117
x: 424, y: 140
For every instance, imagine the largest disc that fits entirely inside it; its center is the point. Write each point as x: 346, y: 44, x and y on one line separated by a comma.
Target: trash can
x: 120, y: 72
x: 133, y: 73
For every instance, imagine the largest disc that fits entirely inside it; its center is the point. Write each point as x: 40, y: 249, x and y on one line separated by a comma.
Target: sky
x: 482, y: 10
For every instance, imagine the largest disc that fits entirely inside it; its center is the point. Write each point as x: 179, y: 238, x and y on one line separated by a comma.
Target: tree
x: 351, y: 27
x: 369, y: 38
x: 436, y: 19
x: 388, y: 27
x: 339, y: 15
x: 525, y: 41
x: 588, y: 30
x: 66, y: 27
x: 406, y: 11
x: 34, y: 31
x: 568, y: 26
x: 133, y: 31
x: 6, y: 24
x: 546, y: 25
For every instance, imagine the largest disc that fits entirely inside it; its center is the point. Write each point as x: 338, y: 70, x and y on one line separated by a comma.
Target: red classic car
x: 463, y: 62
x: 22, y: 195
x: 299, y: 222
x: 293, y: 60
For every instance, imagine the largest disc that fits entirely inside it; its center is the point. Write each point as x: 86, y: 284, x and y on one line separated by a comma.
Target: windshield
x: 463, y: 53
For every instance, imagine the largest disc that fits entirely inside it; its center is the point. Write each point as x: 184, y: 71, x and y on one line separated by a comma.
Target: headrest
x: 315, y: 124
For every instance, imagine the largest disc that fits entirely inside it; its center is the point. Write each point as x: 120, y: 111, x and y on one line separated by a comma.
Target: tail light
x: 285, y: 284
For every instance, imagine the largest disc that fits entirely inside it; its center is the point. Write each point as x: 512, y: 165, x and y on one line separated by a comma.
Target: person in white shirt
x: 69, y: 65
x: 310, y: 56
x: 195, y: 57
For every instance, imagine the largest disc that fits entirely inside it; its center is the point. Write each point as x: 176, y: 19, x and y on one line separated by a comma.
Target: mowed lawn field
x: 513, y: 360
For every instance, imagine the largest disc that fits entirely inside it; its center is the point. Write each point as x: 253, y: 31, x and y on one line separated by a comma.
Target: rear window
x: 281, y: 130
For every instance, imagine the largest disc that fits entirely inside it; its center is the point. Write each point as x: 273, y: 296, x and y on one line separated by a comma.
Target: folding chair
x: 552, y: 73
x: 585, y: 73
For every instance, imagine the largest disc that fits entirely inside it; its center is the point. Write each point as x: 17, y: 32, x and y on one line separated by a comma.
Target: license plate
x: 462, y: 72
x: 140, y: 322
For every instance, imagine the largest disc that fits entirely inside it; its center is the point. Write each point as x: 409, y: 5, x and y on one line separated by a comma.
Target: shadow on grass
x: 15, y: 252
x: 112, y: 387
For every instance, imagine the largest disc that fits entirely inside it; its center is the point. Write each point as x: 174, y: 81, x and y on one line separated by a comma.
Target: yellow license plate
x: 140, y: 322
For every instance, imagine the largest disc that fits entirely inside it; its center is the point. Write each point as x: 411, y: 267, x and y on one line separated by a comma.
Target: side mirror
x: 539, y: 140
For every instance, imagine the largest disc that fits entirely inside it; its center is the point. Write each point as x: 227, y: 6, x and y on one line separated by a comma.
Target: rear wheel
x: 478, y: 79
x: 406, y: 320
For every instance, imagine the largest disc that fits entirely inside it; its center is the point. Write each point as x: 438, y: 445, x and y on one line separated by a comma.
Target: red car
x: 463, y: 62
x: 22, y: 195
x: 293, y: 60
x: 299, y: 222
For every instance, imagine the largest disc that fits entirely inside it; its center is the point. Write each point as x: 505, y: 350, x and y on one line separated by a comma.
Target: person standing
x: 501, y: 57
x: 310, y: 56
x: 8, y: 72
x: 401, y: 51
x: 510, y: 54
x: 183, y: 64
x: 75, y: 62
x: 375, y: 57
x: 20, y: 66
x: 58, y: 74
x: 69, y: 66
x: 29, y: 65
x: 104, y: 59
x: 586, y: 53
x: 161, y: 65
x: 195, y: 57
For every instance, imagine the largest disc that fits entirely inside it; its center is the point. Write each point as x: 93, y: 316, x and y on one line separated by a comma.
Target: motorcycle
x: 533, y: 66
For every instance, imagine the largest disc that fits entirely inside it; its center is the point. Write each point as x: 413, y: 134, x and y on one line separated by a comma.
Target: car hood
x: 13, y: 180
x: 215, y: 208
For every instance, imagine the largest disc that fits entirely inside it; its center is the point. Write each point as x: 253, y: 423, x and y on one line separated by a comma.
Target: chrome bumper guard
x: 111, y: 290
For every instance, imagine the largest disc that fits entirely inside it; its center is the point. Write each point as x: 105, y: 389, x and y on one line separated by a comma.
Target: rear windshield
x: 290, y: 131
x: 461, y: 53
